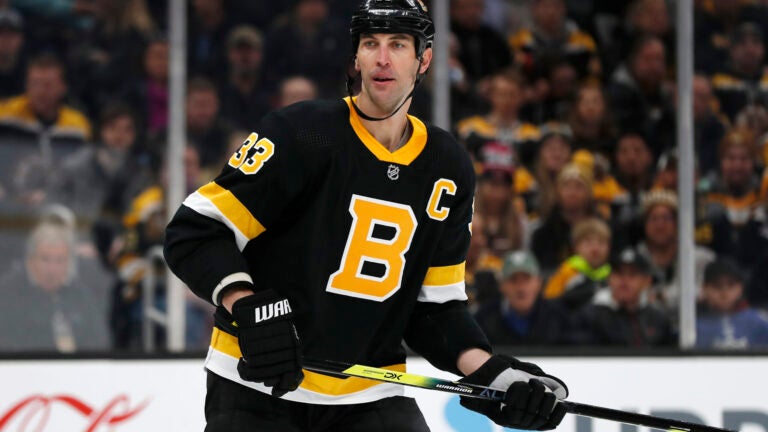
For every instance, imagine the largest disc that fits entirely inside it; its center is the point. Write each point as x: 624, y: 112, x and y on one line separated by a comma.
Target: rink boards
x: 160, y: 395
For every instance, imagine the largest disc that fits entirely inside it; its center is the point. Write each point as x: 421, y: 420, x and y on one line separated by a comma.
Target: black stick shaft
x: 478, y: 391
x: 635, y: 418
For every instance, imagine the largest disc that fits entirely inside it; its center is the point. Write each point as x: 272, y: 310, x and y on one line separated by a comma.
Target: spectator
x: 143, y: 229
x: 639, y: 99
x: 296, y: 89
x: 709, y: 125
x: 482, y: 51
x: 106, y: 57
x: 41, y: 109
x: 68, y: 316
x: 311, y: 42
x: 521, y: 316
x: 503, y: 214
x: 733, y: 203
x: 209, y: 25
x: 660, y: 246
x: 12, y: 58
x: 715, y: 23
x: 578, y: 278
x: 38, y: 130
x: 622, y: 314
x: 724, y: 319
x: 634, y: 162
x: 243, y: 97
x: 560, y: 80
x: 481, y: 267
x: 591, y: 121
x: 207, y: 131
x: 100, y: 180
x: 539, y: 190
x: 550, y: 242
x: 552, y: 35
x: 643, y: 18
x: 502, y: 125
x: 155, y: 86
x: 741, y: 82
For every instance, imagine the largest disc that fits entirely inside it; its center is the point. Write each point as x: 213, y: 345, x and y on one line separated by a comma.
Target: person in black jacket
x: 622, y: 315
x: 521, y: 316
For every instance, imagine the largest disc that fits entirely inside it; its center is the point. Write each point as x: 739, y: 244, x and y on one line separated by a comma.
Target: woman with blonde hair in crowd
x: 550, y: 241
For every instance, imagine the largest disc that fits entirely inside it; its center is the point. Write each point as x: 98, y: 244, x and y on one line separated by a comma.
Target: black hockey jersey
x: 313, y: 207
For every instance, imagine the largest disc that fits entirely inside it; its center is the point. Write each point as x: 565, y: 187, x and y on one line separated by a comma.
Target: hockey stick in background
x: 340, y: 369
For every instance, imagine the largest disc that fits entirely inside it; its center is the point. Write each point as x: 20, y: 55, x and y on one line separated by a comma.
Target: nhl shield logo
x: 393, y: 172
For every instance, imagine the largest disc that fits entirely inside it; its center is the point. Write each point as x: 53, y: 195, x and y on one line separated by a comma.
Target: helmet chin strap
x: 351, y: 80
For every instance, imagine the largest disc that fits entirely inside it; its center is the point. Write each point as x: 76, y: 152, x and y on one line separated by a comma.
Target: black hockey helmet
x: 394, y: 16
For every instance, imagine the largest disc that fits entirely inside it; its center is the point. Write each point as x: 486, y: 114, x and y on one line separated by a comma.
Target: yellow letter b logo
x: 374, y: 257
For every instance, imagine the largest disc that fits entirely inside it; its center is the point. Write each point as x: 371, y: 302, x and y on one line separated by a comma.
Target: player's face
x: 388, y: 66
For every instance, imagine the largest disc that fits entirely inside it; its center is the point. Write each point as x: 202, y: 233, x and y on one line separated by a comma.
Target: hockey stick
x: 340, y: 369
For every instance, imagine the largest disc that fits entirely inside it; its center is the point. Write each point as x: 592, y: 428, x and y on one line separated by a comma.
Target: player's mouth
x: 382, y: 79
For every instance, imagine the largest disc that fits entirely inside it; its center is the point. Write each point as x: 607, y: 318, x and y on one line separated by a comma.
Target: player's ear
x: 357, y: 65
x: 426, y: 59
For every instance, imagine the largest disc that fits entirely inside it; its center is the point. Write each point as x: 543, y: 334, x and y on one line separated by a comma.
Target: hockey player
x: 337, y: 231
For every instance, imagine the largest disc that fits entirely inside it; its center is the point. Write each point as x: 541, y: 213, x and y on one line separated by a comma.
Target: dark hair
x: 115, y: 110
x: 201, y: 84
x: 47, y: 61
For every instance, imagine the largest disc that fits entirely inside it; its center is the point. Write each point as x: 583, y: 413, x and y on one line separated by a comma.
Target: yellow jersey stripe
x: 315, y: 382
x: 220, y: 204
x: 445, y: 275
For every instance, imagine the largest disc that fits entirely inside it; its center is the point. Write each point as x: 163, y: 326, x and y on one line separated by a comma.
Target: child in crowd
x: 577, y: 279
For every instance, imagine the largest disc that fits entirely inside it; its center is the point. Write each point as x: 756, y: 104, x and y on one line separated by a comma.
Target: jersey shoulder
x: 447, y: 151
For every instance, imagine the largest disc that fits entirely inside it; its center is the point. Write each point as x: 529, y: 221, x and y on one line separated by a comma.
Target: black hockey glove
x: 268, y: 341
x: 531, y: 396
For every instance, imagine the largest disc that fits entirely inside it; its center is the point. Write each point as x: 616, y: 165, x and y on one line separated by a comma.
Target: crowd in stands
x: 566, y: 107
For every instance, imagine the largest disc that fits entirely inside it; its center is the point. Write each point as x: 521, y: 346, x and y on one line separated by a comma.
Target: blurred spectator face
x: 736, y: 165
x: 311, y: 12
x: 573, y: 195
x: 627, y: 283
x: 702, y: 97
x: 45, y: 90
x: 495, y: 195
x: 594, y: 249
x: 202, y: 108
x: 648, y: 67
x: 633, y: 158
x: 723, y: 294
x: 296, y: 89
x: 651, y: 17
x: 563, y: 79
x: 554, y: 153
x: 467, y: 13
x: 661, y: 226
x: 119, y: 134
x: 192, y: 168
x: 245, y: 60
x: 590, y: 105
x: 549, y: 15
x: 10, y: 44
x: 506, y: 97
x: 49, y: 263
x: 156, y: 61
x: 521, y: 290
x: 747, y: 55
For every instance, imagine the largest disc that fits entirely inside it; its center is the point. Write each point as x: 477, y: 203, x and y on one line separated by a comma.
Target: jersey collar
x: 402, y: 156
